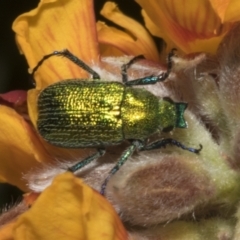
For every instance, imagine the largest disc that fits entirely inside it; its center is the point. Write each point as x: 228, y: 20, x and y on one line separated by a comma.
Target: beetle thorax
x: 139, y: 113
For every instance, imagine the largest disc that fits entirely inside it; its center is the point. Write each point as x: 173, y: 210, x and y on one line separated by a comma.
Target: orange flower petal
x: 6, y: 231
x: 57, y: 25
x: 32, y: 105
x: 69, y: 209
x: 232, y: 12
x: 197, y: 45
x: 20, y: 148
x: 155, y: 30
x: 186, y: 22
x: 114, y: 39
x: 139, y: 42
x: 227, y: 10
x: 220, y: 7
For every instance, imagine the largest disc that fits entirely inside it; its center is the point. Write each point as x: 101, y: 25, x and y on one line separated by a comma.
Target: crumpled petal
x: 57, y: 25
x: 227, y: 10
x: 69, y: 209
x: 190, y: 25
x: 136, y: 40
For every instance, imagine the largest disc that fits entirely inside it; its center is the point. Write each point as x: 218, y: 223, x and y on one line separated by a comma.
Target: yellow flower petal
x: 186, y: 23
x: 137, y: 42
x: 69, y: 209
x: 20, y: 148
x: 57, y: 25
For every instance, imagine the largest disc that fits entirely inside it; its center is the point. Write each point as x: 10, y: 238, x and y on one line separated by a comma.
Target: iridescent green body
x: 89, y: 113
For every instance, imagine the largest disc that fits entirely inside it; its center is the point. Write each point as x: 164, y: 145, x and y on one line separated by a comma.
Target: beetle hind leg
x: 124, y: 157
x: 141, y: 146
x: 126, y: 66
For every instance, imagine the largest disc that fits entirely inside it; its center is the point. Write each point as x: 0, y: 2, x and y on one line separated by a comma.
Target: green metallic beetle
x: 79, y: 113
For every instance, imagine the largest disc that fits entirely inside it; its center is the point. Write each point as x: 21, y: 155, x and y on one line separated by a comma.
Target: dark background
x: 13, y: 66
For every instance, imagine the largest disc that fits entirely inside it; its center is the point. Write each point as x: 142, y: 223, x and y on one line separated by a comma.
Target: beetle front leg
x: 67, y: 54
x: 126, y: 66
x: 148, y: 79
x: 87, y: 160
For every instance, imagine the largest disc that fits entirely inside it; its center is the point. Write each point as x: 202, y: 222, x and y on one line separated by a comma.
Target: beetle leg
x: 124, y: 157
x: 87, y: 160
x: 164, y: 142
x: 169, y: 60
x: 148, y: 79
x: 71, y: 57
x: 126, y: 66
